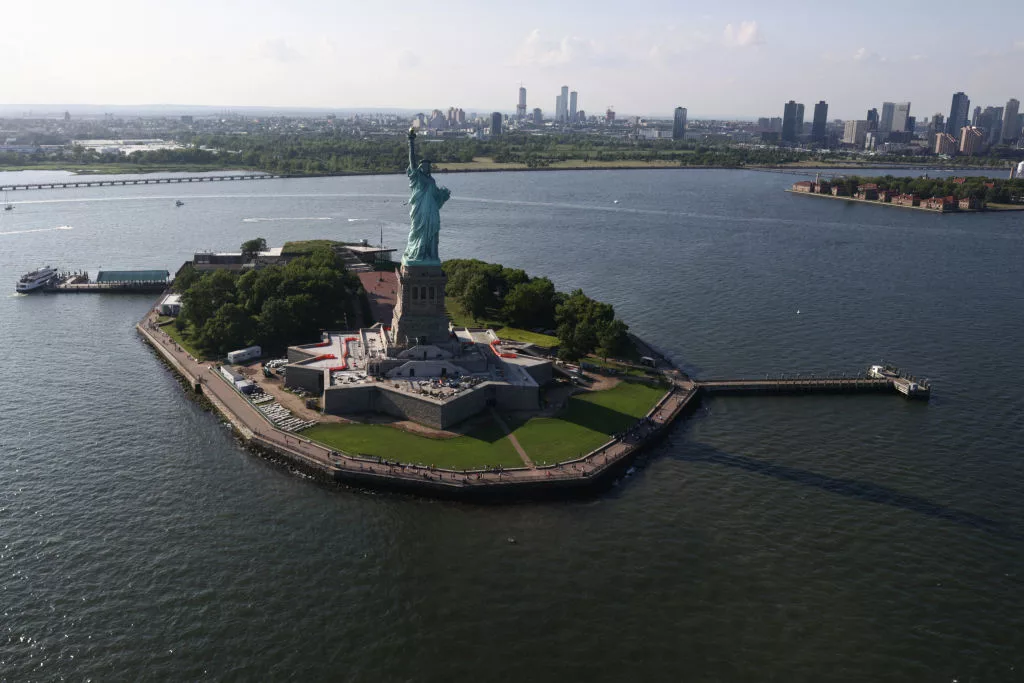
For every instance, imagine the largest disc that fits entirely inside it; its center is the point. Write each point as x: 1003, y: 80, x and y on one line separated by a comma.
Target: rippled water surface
x: 803, y: 538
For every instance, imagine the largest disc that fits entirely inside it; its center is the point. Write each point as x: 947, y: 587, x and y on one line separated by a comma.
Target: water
x: 839, y: 538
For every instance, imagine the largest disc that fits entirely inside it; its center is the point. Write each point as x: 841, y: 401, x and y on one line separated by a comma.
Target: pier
x: 112, y: 282
x: 136, y: 181
x: 871, y: 383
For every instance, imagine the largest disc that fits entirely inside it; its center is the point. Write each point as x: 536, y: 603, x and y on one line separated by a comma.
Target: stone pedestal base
x: 420, y: 316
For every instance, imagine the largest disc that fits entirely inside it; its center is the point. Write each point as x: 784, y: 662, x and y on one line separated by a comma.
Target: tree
x: 531, y: 304
x: 252, y: 248
x: 612, y: 339
x: 476, y: 296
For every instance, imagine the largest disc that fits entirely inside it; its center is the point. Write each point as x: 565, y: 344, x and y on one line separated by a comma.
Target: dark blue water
x: 811, y: 538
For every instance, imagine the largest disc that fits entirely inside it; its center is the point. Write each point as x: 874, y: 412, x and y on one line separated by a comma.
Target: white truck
x: 244, y: 355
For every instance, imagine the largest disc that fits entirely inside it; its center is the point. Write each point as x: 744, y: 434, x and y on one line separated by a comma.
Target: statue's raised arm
x: 412, y: 150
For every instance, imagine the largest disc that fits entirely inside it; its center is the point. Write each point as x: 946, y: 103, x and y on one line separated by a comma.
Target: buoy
x: 511, y: 540
x: 615, y: 201
x: 798, y: 311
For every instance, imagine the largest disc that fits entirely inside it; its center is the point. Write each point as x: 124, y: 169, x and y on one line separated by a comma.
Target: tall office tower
x: 854, y: 133
x: 679, y: 124
x: 1011, y: 131
x: 970, y: 140
x: 495, y: 124
x: 563, y: 114
x: 799, y: 125
x: 789, y: 129
x: 900, y: 117
x: 538, y: 117
x: 521, y: 107
x: 885, y: 122
x: 572, y: 106
x: 775, y: 124
x: 975, y: 115
x: 558, y: 108
x: 764, y: 125
x: 820, y: 120
x: 938, y: 123
x: 872, y: 119
x: 958, y: 112
x: 945, y: 144
x: 991, y: 123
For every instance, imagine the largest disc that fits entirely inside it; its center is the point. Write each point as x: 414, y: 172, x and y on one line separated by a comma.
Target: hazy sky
x: 715, y: 58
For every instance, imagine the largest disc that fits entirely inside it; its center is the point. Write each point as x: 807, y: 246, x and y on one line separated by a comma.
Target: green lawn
x: 305, y: 247
x: 462, y: 319
x: 586, y: 423
x: 183, y: 341
x: 482, y: 447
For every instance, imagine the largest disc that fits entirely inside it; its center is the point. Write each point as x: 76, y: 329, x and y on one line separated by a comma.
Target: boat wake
x: 296, y: 218
x: 25, y: 232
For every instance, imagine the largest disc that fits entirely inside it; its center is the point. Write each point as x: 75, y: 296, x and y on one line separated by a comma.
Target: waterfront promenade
x: 254, y: 428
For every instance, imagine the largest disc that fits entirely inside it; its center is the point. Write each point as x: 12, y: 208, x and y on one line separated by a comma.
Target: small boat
x: 179, y: 203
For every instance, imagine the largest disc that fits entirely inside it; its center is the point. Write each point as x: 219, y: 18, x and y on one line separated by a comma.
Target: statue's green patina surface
x: 425, y: 202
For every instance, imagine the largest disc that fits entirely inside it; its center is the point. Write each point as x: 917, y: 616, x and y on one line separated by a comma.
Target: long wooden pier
x: 136, y: 181
x: 813, y: 385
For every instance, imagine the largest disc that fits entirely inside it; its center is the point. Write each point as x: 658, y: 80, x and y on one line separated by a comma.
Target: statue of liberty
x: 425, y: 204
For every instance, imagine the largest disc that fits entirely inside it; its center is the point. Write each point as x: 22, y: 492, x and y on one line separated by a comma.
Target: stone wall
x: 299, y: 377
x: 350, y: 400
x: 381, y: 398
x: 511, y: 397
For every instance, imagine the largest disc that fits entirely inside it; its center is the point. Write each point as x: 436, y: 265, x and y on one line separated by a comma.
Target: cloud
x: 1018, y: 46
x: 743, y: 35
x: 278, y: 50
x: 538, y: 50
x: 865, y: 57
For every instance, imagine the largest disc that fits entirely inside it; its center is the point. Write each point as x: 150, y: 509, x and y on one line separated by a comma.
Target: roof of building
x: 132, y: 276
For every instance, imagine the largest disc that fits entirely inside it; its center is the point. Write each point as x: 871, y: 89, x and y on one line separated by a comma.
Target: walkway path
x: 512, y: 438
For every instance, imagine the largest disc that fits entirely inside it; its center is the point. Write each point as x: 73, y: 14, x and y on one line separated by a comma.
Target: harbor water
x: 841, y: 538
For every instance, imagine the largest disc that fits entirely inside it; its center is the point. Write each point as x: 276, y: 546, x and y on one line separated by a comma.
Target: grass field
x: 482, y: 447
x: 462, y: 319
x: 184, y: 342
x: 587, y: 422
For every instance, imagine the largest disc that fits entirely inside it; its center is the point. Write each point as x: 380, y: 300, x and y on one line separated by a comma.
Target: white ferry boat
x: 36, y: 279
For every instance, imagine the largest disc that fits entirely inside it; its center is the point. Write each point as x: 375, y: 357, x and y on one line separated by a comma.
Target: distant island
x: 941, y: 195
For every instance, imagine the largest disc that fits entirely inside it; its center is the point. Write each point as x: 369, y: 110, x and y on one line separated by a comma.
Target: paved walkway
x: 255, y: 427
x: 512, y: 438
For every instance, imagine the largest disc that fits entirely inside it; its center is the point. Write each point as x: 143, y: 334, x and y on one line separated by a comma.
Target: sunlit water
x: 812, y: 538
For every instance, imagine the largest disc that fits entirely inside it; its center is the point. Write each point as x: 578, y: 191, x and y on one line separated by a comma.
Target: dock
x: 879, y: 378
x: 136, y: 181
x: 110, y: 282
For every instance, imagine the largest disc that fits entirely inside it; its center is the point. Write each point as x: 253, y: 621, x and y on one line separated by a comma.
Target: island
x: 940, y: 195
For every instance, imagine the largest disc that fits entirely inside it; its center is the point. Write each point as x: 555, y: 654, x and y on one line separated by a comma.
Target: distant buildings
x: 789, y: 127
x: 885, y: 122
x: 901, y: 118
x: 958, y: 113
x: 945, y: 144
x: 495, y: 124
x: 971, y: 140
x: 521, y: 106
x: 679, y: 124
x: 854, y: 133
x: 572, y: 106
x: 562, y: 116
x: 819, y: 122
x: 1011, y: 126
x: 538, y: 117
x: 872, y: 119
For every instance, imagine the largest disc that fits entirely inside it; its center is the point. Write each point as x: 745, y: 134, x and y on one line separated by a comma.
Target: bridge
x: 136, y: 181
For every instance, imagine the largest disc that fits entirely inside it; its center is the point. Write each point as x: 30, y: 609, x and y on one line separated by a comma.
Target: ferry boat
x: 911, y: 387
x: 36, y: 279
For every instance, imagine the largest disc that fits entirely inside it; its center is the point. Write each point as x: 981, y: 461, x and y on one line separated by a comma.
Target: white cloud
x: 864, y: 56
x: 278, y: 50
x: 743, y: 35
x: 408, y: 59
x: 538, y: 50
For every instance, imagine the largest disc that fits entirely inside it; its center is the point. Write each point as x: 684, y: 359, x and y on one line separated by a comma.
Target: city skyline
x: 315, y: 54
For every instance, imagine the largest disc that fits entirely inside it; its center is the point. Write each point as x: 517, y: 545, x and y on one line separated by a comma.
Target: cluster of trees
x: 273, y: 306
x: 1001, y: 191
x: 512, y: 297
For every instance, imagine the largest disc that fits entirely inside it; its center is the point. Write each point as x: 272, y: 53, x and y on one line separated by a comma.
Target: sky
x: 732, y: 59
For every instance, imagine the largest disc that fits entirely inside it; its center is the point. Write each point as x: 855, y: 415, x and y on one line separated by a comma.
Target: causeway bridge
x: 800, y: 385
x: 110, y: 182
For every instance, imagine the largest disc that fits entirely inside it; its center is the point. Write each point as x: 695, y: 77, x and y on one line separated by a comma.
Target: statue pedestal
x: 420, y: 316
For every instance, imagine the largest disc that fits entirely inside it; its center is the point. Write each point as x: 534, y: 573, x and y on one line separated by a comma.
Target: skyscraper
x: 558, y: 108
x: 679, y: 124
x: 885, y: 122
x: 872, y: 119
x: 572, y: 106
x: 495, y: 124
x: 900, y: 117
x: 970, y: 140
x: 958, y: 112
x: 563, y: 113
x: 521, y: 107
x: 1011, y: 131
x: 789, y: 122
x: 799, y: 125
x: 538, y: 117
x: 820, y: 120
